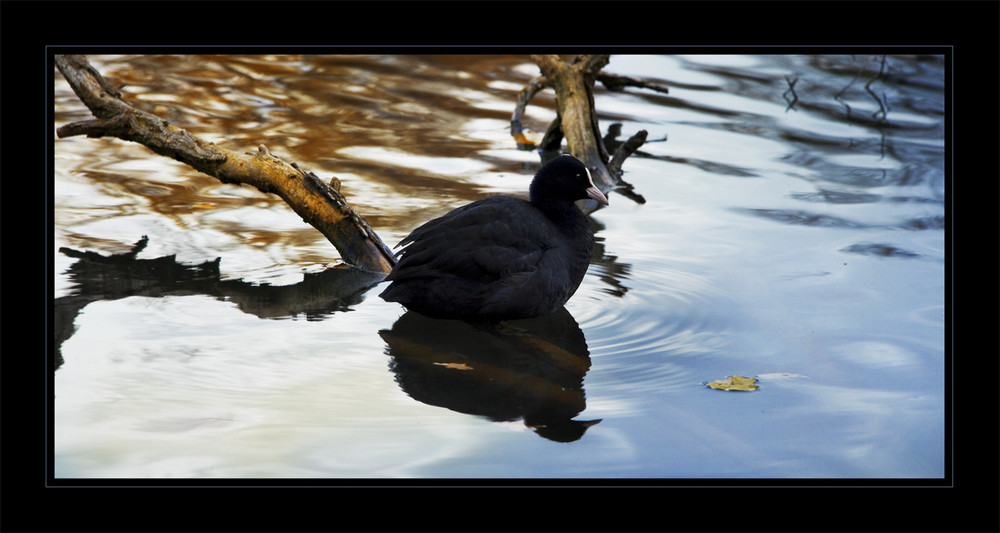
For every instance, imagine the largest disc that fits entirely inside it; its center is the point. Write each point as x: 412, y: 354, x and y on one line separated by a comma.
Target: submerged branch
x: 318, y: 203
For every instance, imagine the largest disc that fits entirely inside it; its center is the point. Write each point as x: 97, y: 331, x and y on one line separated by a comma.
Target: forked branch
x: 576, y: 119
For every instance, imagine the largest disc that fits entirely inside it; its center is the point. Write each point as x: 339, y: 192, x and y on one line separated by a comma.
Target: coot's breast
x: 498, y: 258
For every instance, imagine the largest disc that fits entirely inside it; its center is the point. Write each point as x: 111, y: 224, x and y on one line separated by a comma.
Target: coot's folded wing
x: 483, y: 241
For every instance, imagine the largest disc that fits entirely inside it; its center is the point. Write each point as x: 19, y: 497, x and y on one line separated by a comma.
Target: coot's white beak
x: 593, y: 192
x: 596, y: 194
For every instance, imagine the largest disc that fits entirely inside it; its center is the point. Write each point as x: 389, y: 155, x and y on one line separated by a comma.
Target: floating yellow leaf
x: 734, y: 383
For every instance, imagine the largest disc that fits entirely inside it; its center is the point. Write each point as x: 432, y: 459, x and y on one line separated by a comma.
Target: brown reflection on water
x: 313, y: 109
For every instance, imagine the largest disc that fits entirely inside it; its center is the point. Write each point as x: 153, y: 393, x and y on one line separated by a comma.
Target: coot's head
x: 564, y: 178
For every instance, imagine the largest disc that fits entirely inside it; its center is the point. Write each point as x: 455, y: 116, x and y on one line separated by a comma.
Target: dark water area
x: 793, y: 230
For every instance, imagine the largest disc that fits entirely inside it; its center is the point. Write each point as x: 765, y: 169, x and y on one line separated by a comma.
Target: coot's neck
x: 558, y: 207
x: 564, y: 213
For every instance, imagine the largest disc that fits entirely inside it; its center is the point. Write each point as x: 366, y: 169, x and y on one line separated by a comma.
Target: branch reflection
x: 99, y: 277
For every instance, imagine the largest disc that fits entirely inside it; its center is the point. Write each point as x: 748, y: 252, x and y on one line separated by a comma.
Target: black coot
x: 501, y: 257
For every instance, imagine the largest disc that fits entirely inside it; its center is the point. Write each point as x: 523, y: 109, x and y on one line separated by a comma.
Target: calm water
x: 792, y: 230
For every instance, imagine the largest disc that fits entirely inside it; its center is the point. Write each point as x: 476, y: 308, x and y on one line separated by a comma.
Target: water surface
x: 792, y: 230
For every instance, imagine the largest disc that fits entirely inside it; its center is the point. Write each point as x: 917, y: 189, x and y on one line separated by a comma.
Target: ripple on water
x: 643, y: 340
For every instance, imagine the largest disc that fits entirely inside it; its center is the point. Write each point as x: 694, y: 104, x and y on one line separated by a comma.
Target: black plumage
x: 501, y: 257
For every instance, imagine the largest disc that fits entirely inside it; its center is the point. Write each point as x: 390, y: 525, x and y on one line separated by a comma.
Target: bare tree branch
x: 617, y: 83
x: 318, y: 203
x: 523, y: 97
x: 573, y: 83
x: 576, y: 119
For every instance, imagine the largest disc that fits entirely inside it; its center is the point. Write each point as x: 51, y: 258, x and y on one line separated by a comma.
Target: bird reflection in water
x: 530, y: 369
